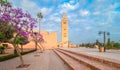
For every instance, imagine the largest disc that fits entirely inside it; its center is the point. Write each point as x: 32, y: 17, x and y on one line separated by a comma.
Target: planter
x: 102, y: 49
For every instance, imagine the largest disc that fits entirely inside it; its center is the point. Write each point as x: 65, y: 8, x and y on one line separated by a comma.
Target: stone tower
x: 64, y: 28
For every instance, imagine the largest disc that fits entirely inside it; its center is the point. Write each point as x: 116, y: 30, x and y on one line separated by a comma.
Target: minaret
x: 64, y: 31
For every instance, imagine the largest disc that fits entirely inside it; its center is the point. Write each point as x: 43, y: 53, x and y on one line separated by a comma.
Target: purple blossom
x: 23, y: 33
x: 23, y: 22
x: 6, y: 17
x: 27, y: 15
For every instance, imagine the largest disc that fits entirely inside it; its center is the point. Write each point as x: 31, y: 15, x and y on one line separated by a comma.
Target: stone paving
x: 110, y: 54
x: 47, y: 60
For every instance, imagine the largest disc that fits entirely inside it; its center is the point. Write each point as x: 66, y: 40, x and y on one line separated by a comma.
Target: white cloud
x: 69, y: 6
x: 46, y: 11
x: 72, y: 15
x: 33, y: 8
x: 30, y: 6
x: 56, y: 14
x: 99, y: 0
x: 50, y: 30
x: 88, y: 27
x: 84, y: 12
x: 77, y: 21
x: 72, y: 1
x: 51, y: 24
x: 65, y: 7
x: 48, y: 1
x: 96, y: 13
x: 58, y: 20
x: 47, y: 25
x: 77, y: 29
x: 54, y: 18
x: 103, y: 24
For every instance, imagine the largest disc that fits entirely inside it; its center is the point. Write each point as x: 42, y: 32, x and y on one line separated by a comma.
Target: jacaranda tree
x: 22, y: 22
x: 21, y: 40
x: 38, y: 40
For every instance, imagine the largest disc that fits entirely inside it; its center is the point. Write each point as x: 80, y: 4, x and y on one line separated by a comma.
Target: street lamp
x: 104, y: 35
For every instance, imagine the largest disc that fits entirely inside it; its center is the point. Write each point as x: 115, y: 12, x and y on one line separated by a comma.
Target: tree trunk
x: 18, y: 52
x: 15, y: 52
x: 21, y: 48
x: 41, y: 46
x: 35, y: 45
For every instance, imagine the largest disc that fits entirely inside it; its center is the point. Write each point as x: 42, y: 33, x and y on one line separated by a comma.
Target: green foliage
x: 2, y: 37
x: 88, y: 45
x: 5, y: 45
x: 3, y: 58
x: 2, y: 2
x: 39, y: 15
x: 21, y: 40
x: 109, y: 45
x: 112, y: 44
x: 6, y: 32
x: 10, y: 56
x: 2, y: 48
x: 116, y: 46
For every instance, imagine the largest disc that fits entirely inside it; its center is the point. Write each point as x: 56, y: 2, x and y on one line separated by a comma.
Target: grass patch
x: 10, y: 56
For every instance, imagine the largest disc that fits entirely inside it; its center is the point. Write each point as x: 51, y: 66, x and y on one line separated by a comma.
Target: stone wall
x: 50, y: 41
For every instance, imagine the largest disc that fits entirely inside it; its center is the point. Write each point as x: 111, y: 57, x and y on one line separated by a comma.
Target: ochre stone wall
x: 49, y: 38
x: 50, y: 41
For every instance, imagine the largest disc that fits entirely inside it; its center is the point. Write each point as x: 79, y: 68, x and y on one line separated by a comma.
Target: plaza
x: 49, y: 60
x: 59, y: 35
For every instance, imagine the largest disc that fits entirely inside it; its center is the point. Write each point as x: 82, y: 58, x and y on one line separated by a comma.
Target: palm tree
x: 40, y: 16
x: 2, y: 2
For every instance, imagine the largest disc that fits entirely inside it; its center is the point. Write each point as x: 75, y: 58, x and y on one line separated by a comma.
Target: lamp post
x: 104, y: 36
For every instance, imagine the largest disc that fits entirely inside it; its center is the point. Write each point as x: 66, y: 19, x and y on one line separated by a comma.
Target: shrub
x: 2, y: 49
x: 10, y: 56
x: 5, y: 45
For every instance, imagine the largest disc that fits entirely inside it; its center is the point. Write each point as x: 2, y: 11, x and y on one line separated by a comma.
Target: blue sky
x: 86, y: 17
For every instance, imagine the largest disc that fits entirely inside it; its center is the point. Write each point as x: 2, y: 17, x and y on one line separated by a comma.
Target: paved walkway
x: 110, y: 54
x: 47, y: 60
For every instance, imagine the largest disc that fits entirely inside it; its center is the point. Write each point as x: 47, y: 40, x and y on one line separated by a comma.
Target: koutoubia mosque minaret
x: 64, y: 28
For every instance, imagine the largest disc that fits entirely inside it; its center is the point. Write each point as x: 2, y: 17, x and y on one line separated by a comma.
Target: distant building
x: 72, y: 45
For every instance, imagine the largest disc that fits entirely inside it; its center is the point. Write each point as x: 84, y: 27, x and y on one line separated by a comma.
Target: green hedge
x: 10, y: 56
x: 2, y: 49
